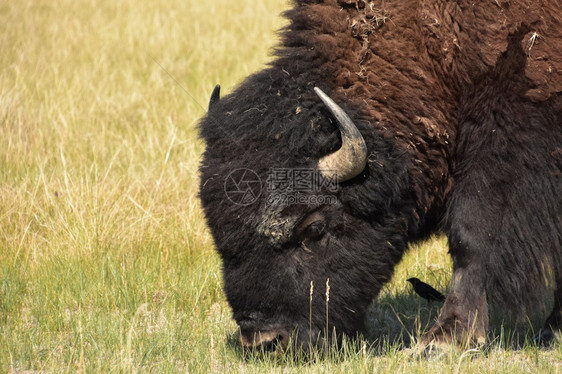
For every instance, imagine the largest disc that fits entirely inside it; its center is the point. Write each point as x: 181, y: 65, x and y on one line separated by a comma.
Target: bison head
x: 306, y: 211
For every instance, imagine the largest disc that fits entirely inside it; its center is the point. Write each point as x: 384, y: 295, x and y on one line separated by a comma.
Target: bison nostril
x: 283, y: 339
x: 267, y: 340
x: 269, y: 346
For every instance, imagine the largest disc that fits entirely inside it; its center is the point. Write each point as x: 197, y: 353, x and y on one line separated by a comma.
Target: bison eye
x: 314, y: 230
x: 311, y: 228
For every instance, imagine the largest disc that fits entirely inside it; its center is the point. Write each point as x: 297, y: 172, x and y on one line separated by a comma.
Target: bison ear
x: 350, y: 160
x: 215, y: 96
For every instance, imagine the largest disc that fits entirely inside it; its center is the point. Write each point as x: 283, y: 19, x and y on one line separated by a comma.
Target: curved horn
x: 215, y: 96
x: 350, y: 160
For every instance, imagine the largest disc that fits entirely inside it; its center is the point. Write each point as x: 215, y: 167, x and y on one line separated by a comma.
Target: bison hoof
x: 442, y: 334
x: 547, y: 338
x: 433, y: 351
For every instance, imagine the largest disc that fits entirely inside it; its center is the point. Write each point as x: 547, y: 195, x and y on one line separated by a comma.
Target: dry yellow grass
x: 105, y: 260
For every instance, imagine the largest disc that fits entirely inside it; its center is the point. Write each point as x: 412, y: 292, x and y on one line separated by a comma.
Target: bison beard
x: 459, y: 104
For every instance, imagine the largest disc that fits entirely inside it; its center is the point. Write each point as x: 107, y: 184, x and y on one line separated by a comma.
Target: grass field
x: 106, y: 264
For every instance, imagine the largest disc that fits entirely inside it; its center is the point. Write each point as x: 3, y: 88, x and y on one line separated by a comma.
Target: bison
x: 377, y: 124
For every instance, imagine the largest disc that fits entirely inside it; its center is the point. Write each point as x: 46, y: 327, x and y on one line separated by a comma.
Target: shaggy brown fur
x: 427, y: 54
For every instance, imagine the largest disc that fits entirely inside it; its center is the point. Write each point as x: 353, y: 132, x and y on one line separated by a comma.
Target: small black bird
x: 426, y: 291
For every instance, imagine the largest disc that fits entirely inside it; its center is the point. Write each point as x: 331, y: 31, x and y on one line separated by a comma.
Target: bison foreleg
x: 464, y: 316
x: 553, y: 325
